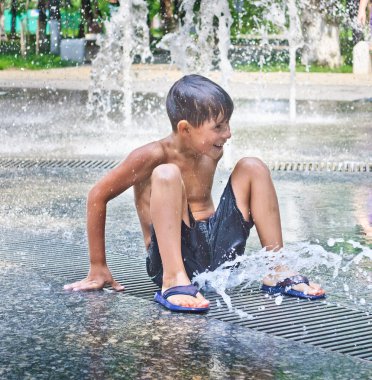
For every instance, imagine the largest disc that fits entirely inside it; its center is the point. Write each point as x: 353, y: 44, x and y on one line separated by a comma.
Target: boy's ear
x: 183, y: 127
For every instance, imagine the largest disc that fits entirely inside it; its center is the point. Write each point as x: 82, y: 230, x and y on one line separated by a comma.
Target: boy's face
x: 210, y: 137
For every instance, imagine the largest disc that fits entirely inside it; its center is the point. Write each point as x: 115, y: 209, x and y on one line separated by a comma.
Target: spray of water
x: 202, y: 43
x: 199, y: 45
x: 127, y: 36
x: 299, y: 257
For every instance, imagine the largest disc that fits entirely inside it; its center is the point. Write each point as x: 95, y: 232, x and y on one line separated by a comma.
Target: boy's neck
x: 183, y: 148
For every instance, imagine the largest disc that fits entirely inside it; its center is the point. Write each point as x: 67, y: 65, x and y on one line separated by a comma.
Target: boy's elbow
x: 96, y: 197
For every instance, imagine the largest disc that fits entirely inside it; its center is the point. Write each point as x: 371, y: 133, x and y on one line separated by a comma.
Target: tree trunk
x: 54, y: 9
x: 167, y: 13
x: 352, y: 8
x: 2, y: 25
x: 13, y: 12
x: 42, y: 42
x: 87, y: 18
x: 321, y: 38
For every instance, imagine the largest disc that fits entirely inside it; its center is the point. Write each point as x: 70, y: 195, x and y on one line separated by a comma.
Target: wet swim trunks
x: 208, y: 243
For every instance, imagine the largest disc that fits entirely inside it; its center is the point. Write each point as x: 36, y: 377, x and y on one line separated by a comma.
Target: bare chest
x: 198, y: 183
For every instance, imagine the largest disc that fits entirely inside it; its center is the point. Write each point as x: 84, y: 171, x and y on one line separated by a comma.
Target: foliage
x: 21, y: 5
x: 32, y: 61
x: 153, y: 7
x: 70, y: 6
x: 249, y: 18
x: 282, y: 67
x: 346, y: 45
x: 104, y: 8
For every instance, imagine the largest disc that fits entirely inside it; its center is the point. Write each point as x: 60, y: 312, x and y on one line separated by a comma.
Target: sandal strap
x: 185, y: 290
x: 293, y: 280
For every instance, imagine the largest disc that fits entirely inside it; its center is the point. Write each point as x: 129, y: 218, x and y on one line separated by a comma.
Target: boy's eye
x: 222, y: 127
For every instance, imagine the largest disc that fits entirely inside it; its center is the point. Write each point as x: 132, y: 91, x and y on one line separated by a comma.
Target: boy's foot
x: 294, y: 285
x: 182, y: 298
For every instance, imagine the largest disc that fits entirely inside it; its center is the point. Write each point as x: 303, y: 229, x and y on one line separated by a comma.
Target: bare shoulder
x: 140, y: 163
x: 134, y: 169
x: 152, y: 153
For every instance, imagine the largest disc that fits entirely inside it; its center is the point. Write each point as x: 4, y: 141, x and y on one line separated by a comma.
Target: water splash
x: 303, y: 257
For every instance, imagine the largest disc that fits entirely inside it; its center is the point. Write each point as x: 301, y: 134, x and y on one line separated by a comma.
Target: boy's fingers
x: 71, y: 286
x: 84, y: 285
x: 90, y: 285
x: 93, y: 285
x: 117, y: 286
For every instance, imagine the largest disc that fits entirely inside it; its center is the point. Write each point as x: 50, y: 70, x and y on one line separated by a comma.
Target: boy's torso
x: 197, y: 175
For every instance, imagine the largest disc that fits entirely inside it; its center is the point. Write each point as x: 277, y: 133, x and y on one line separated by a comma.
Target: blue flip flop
x: 188, y: 290
x: 285, y: 287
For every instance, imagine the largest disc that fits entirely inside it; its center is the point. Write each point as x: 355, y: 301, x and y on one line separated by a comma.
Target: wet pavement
x: 48, y: 333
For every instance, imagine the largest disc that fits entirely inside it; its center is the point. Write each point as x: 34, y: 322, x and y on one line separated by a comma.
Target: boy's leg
x: 256, y: 198
x: 168, y: 206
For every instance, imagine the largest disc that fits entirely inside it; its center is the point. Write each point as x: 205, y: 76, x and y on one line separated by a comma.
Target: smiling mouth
x: 218, y: 146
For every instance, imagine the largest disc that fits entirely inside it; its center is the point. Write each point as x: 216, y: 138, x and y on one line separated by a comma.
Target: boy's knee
x: 252, y: 166
x: 166, y: 173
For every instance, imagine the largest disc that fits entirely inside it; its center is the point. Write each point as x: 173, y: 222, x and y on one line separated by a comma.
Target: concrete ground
x: 244, y: 85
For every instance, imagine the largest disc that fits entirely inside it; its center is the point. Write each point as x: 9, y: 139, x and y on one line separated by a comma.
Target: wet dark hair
x: 197, y: 99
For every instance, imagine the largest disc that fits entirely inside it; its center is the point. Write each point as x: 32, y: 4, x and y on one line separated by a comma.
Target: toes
x: 116, y: 286
x: 202, y: 301
x: 188, y: 301
x: 185, y: 301
x: 316, y: 288
x: 309, y: 289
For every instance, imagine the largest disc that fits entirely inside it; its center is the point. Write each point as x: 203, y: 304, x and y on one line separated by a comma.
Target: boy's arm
x: 135, y: 168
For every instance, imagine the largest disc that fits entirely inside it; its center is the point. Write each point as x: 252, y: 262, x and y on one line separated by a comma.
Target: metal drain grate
x: 25, y: 163
x: 328, y: 326
x: 321, y: 166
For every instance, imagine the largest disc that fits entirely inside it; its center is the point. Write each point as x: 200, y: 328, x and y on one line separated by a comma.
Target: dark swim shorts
x: 206, y: 244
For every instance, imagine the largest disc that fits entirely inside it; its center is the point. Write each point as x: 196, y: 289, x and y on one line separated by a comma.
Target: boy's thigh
x: 229, y: 230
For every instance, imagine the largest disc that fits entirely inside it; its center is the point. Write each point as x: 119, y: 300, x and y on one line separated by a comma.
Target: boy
x: 172, y: 181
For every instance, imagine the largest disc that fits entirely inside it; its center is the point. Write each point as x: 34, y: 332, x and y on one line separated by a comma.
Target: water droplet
x: 279, y: 300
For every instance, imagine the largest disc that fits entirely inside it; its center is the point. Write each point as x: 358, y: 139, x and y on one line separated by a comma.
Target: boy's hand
x: 97, y: 279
